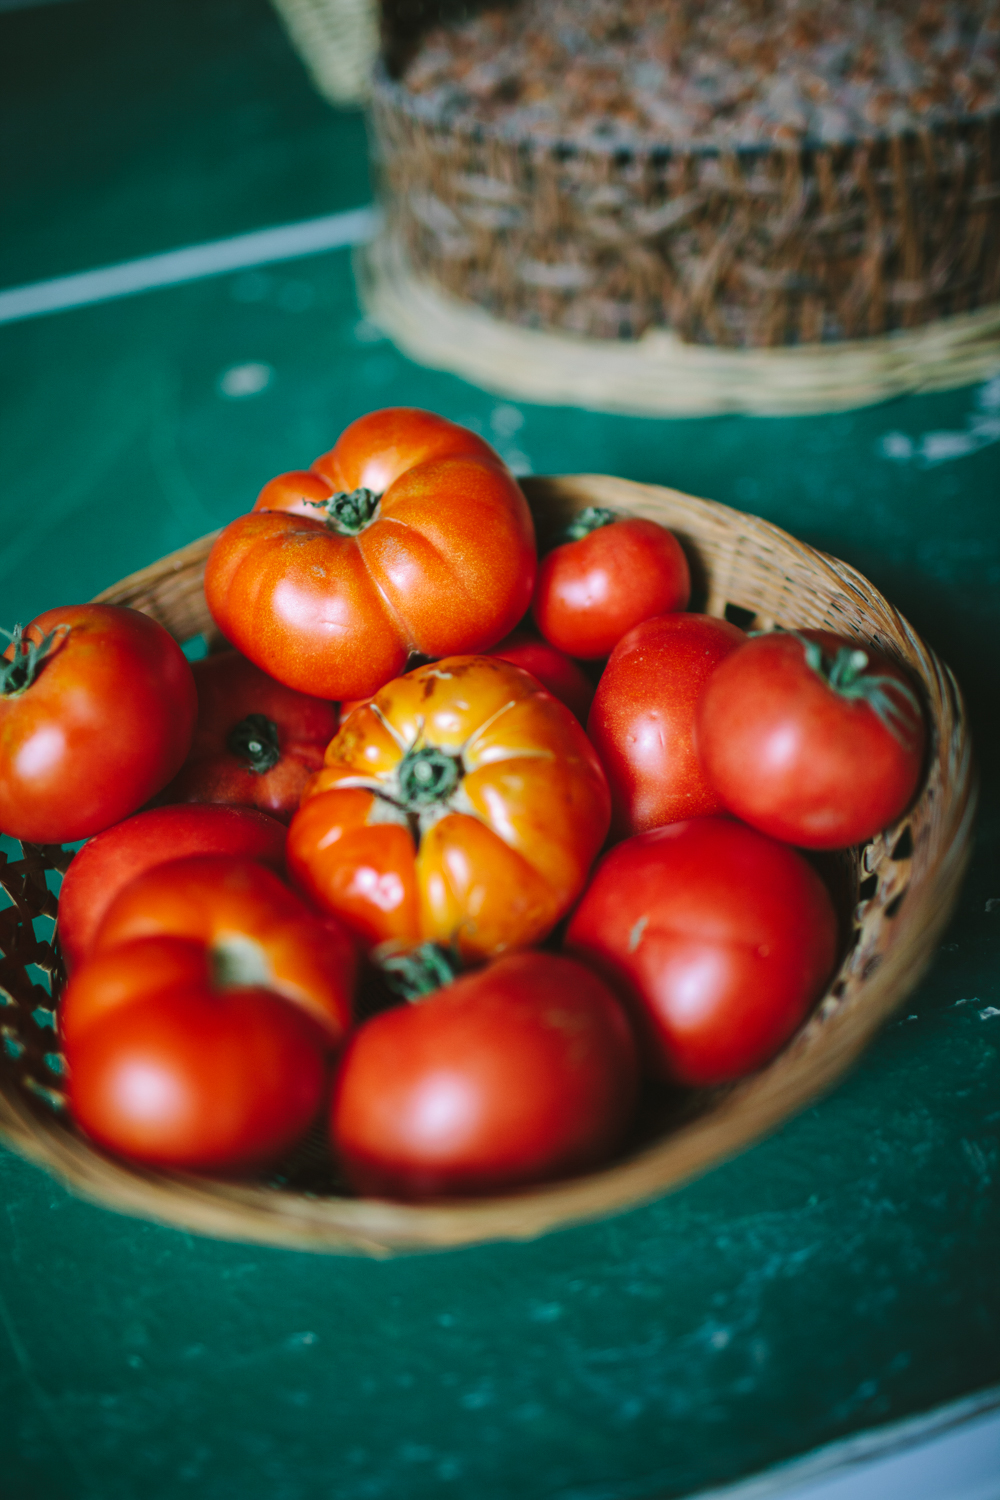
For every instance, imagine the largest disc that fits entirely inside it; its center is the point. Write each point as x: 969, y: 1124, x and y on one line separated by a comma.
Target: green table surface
x: 839, y: 1275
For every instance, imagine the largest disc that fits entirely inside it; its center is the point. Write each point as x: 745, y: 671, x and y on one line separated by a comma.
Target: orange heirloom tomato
x: 410, y: 535
x: 463, y: 804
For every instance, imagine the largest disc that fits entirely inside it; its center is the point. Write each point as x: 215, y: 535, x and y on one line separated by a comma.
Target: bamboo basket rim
x: 890, y: 954
x: 660, y: 374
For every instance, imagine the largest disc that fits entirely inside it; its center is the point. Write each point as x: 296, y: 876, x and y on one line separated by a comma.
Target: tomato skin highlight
x: 119, y: 854
x: 793, y: 757
x: 590, y: 592
x: 230, y: 688
x: 642, y: 721
x: 556, y: 671
x: 446, y: 562
x: 494, y: 861
x: 514, y: 1074
x: 719, y: 940
x: 104, y: 725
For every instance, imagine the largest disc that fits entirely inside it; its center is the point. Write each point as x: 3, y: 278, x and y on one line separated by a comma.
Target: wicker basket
x: 899, y: 891
x: 752, y: 247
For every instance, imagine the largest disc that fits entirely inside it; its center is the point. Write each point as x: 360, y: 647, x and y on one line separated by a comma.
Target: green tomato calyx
x: 19, y: 672
x: 893, y: 701
x: 254, y: 742
x: 427, y: 776
x: 349, y: 511
x: 586, y: 521
x: 420, y: 971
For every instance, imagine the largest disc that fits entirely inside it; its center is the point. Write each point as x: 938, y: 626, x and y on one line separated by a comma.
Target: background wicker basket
x: 898, y: 891
x: 757, y: 247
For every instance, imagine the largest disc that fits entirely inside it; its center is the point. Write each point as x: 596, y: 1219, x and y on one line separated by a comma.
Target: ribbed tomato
x: 256, y: 742
x: 464, y: 803
x: 410, y: 535
x: 198, y: 1031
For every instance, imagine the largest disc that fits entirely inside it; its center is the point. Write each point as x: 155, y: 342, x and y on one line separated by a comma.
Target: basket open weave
x: 899, y: 888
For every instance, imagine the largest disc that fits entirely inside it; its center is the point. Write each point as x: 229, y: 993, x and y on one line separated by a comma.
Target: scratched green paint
x: 839, y: 1275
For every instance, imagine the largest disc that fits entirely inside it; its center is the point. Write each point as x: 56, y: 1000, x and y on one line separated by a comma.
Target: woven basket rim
x: 385, y: 85
x: 806, y: 1067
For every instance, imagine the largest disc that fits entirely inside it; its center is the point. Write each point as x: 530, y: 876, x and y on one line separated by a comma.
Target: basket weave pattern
x: 754, y: 248
x: 899, y: 890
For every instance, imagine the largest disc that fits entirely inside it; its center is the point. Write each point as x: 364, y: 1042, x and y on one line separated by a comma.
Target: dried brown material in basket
x: 899, y: 891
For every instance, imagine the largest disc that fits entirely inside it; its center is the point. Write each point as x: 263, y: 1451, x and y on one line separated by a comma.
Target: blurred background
x: 837, y: 1278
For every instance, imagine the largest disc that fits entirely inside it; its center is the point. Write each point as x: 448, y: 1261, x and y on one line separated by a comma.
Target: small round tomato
x: 116, y: 856
x: 719, y: 939
x: 812, y: 738
x: 610, y: 573
x: 256, y: 742
x: 642, y: 722
x: 554, y: 669
x: 521, y: 1072
x: 463, y: 804
x: 97, y: 707
x: 410, y: 535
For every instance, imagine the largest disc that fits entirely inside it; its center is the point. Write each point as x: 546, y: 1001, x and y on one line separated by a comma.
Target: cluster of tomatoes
x: 437, y: 834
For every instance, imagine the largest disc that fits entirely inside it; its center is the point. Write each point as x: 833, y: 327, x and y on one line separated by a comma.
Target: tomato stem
x: 349, y: 511
x: 427, y: 776
x: 420, y: 971
x: 893, y: 702
x: 254, y: 742
x: 586, y: 521
x: 19, y: 672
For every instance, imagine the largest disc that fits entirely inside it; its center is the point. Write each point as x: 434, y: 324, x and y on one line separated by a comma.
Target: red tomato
x: 97, y: 707
x: 554, y: 669
x: 197, y: 1032
x: 523, y: 1071
x: 409, y: 536
x: 257, y: 931
x: 116, y: 856
x: 188, y: 1076
x: 719, y: 938
x: 256, y: 742
x: 613, y: 572
x: 812, y: 738
x: 643, y: 718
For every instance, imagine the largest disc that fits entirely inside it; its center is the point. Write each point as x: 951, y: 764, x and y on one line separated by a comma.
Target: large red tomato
x: 642, y: 721
x: 197, y: 1032
x: 611, y: 572
x: 463, y: 804
x: 718, y: 937
x: 116, y: 856
x: 256, y: 742
x: 523, y: 1071
x: 97, y: 706
x: 410, y: 535
x: 812, y: 738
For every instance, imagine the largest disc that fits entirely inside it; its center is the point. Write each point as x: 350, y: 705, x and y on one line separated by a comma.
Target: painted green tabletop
x: 839, y: 1275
